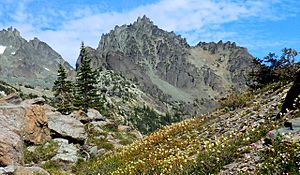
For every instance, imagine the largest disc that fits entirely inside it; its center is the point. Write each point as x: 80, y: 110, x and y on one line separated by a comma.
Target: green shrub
x: 41, y: 153
x: 27, y: 96
x: 54, y: 167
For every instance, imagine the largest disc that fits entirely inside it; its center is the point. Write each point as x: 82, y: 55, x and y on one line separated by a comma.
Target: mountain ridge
x: 168, y: 68
x: 33, y: 61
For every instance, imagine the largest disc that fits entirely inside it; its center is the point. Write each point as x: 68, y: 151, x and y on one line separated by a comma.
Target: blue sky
x: 262, y: 26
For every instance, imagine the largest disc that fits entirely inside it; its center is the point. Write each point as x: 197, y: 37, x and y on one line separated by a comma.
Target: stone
x: 137, y: 134
x: 30, y: 170
x: 11, y: 147
x: 18, y: 123
x: 21, y: 170
x: 286, y: 130
x: 99, y: 123
x: 38, y: 100
x: 124, y: 128
x: 36, y: 128
x: 11, y: 132
x: 67, y: 152
x: 93, y: 150
x: 95, y: 115
x: 9, y: 170
x: 11, y: 98
x: 66, y: 126
x: 81, y: 116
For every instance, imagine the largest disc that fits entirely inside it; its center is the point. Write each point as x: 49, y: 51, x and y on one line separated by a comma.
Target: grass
x: 41, y: 153
x: 54, y: 167
x: 282, y: 157
x: 201, y: 145
x: 98, y: 138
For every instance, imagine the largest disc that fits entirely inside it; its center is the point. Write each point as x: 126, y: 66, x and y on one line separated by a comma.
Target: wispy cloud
x: 65, y: 28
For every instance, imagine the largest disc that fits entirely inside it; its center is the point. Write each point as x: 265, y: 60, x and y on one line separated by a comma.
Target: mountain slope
x: 220, y: 143
x: 170, y: 70
x: 33, y: 63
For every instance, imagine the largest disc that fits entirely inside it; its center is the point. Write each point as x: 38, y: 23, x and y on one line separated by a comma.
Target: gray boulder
x: 20, y: 170
x: 95, y: 115
x: 67, y: 152
x: 66, y: 126
x: 8, y: 170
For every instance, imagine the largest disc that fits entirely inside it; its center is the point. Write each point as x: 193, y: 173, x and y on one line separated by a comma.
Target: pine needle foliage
x: 86, y: 95
x: 63, y: 92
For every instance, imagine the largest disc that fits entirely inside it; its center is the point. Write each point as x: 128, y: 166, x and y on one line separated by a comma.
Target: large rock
x: 89, y: 116
x: 67, y: 152
x: 95, y: 115
x: 11, y: 132
x: 8, y: 170
x: 36, y: 128
x: 11, y: 147
x: 20, y: 170
x: 66, y: 126
x: 18, y: 123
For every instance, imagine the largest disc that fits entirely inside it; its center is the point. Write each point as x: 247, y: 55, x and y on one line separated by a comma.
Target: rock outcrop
x: 66, y: 127
x: 36, y: 123
x: 19, y: 123
x: 20, y: 170
x: 169, y: 69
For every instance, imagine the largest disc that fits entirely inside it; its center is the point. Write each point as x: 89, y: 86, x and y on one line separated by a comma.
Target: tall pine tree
x: 86, y: 80
x: 63, y: 92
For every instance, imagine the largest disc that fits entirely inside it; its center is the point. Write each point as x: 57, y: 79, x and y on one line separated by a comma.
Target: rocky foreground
x: 247, y: 138
x: 32, y: 134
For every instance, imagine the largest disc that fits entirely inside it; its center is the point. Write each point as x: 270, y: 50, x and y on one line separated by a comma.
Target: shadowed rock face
x: 32, y: 62
x: 167, y: 68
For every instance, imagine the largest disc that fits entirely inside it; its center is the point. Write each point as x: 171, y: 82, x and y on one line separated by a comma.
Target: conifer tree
x: 86, y: 80
x: 63, y: 92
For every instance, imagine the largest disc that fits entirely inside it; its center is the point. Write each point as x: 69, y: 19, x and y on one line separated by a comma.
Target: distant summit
x: 168, y: 68
x: 24, y: 62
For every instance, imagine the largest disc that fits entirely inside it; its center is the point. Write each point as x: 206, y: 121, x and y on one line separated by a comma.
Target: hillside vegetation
x: 225, y: 142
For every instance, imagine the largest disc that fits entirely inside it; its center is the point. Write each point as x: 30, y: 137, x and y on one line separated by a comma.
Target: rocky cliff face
x: 168, y: 68
x: 33, y: 62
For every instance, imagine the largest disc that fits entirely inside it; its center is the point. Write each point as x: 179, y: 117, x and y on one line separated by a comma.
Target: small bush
x: 27, y: 96
x: 41, y: 153
x: 54, y: 167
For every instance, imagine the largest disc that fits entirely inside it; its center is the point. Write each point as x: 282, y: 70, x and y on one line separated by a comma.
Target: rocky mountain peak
x: 31, y: 62
x: 168, y: 68
x: 35, y: 41
x: 142, y: 21
x: 12, y: 30
x: 213, y: 47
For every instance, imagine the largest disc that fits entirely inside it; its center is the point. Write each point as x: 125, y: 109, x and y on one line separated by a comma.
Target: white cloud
x: 194, y: 19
